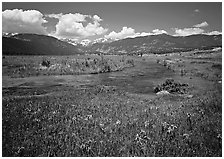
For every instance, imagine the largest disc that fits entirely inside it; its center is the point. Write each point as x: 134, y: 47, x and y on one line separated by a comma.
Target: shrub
x: 105, y: 67
x: 171, y: 86
x: 45, y: 63
x: 217, y: 66
x: 130, y: 61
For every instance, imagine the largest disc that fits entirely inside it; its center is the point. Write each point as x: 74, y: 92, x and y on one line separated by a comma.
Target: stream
x: 139, y: 79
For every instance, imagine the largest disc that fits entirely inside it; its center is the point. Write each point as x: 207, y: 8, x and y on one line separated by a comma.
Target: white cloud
x: 143, y: 34
x: 130, y: 33
x: 157, y: 31
x: 94, y: 29
x: 124, y: 33
x: 203, y: 24
x: 97, y: 18
x: 71, y: 25
x: 188, y: 31
x: 19, y: 21
x: 195, y: 29
x: 213, y: 33
x: 140, y: 34
x: 196, y: 10
x: 56, y: 16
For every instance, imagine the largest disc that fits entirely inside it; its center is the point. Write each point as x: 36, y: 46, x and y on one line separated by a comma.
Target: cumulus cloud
x: 157, y: 31
x: 72, y: 25
x: 213, y: 33
x: 195, y: 29
x: 19, y: 21
x: 203, y: 24
x: 130, y: 33
x: 188, y: 31
x: 141, y: 34
x: 97, y: 18
x: 56, y: 16
x: 124, y: 33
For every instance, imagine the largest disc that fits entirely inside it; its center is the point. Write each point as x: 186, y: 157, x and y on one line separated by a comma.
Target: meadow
x: 25, y: 66
x: 97, y: 109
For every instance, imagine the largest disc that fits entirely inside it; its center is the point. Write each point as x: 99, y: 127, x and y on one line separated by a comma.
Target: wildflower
x: 101, y: 124
x: 137, y: 137
x: 189, y: 122
x: 82, y: 146
x: 88, y: 117
x: 202, y: 111
x: 19, y: 149
x: 165, y: 125
x: 186, y: 136
x: 37, y: 120
x: 171, y: 128
x: 74, y: 118
x: 147, y: 123
x: 143, y: 132
x: 153, y: 126
x: 118, y: 122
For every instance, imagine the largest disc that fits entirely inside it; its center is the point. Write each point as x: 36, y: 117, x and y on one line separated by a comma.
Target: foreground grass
x: 104, y: 121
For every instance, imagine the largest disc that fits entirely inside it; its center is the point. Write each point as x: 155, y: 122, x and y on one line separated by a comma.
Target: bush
x: 105, y: 67
x: 217, y: 66
x: 171, y: 86
x: 130, y: 61
x: 45, y: 63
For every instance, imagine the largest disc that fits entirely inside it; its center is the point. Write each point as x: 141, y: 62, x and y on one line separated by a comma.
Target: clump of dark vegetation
x: 172, y: 87
x: 46, y: 63
x: 104, y: 89
x: 217, y: 66
x: 131, y: 62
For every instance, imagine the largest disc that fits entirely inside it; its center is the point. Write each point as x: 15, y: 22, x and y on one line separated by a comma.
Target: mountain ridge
x: 34, y: 44
x: 159, y: 43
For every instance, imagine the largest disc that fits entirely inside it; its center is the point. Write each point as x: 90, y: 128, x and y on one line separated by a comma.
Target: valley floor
x: 117, y: 113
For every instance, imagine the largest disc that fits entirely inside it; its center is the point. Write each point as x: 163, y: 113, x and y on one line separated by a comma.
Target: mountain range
x: 33, y: 44
x: 158, y: 44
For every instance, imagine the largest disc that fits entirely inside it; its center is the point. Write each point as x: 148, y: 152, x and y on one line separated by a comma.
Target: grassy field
x: 93, y: 119
x: 26, y: 66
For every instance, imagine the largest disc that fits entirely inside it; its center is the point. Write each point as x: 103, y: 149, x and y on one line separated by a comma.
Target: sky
x: 96, y: 21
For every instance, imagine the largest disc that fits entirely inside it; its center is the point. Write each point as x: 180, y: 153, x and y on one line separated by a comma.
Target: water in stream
x: 138, y: 79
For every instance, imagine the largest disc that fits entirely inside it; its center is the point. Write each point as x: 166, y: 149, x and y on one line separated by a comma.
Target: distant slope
x: 33, y: 44
x: 158, y: 44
